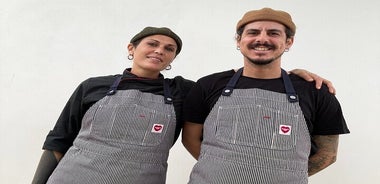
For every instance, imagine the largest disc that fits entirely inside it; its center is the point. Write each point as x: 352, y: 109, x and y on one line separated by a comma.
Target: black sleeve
x: 329, y: 116
x: 180, y: 91
x: 68, y: 124
x: 195, y: 109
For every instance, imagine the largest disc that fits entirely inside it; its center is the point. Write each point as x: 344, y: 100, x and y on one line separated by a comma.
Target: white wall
x: 47, y: 47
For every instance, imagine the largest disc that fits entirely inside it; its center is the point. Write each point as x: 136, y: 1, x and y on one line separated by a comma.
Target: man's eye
x: 253, y: 33
x: 274, y: 34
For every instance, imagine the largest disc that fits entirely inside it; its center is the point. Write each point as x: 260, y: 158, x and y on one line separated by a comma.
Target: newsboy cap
x: 267, y: 14
x: 148, y: 31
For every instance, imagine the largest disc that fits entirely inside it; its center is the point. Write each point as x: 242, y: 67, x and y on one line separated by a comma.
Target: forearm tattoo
x: 326, y: 154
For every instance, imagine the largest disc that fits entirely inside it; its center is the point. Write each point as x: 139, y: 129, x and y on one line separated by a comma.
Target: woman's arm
x: 49, y: 160
x: 192, y: 134
x: 309, y: 76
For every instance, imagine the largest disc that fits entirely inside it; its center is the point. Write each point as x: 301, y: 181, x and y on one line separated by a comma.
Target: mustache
x: 252, y: 46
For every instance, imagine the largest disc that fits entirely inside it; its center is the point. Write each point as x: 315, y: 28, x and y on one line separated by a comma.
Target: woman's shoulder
x: 98, y: 82
x: 106, y: 79
x: 181, y: 82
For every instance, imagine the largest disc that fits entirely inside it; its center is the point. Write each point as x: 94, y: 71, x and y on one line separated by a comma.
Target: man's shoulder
x: 298, y: 81
x: 307, y: 87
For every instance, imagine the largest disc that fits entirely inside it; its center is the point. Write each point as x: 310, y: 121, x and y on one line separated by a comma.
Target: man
x: 258, y: 124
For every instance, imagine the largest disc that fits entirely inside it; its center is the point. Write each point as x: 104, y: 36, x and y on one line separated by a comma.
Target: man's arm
x: 326, y: 153
x: 192, y: 134
x: 308, y: 76
x: 49, y: 160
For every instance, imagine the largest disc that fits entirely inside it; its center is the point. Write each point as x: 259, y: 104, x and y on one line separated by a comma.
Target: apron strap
x: 290, y: 92
x: 227, y: 91
x: 113, y: 88
x: 167, y: 94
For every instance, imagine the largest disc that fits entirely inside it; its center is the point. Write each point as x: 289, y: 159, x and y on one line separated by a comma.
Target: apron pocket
x: 254, y: 125
x: 131, y: 124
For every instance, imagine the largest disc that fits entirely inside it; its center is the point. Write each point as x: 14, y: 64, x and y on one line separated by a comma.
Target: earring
x: 237, y: 48
x: 168, y: 67
x: 130, y: 56
x: 286, y: 50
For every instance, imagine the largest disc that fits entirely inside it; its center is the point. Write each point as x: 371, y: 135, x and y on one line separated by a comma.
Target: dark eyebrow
x: 151, y: 39
x: 253, y: 29
x: 174, y: 45
x: 274, y: 30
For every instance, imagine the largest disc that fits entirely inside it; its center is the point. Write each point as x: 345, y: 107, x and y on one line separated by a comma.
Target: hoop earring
x: 168, y: 67
x: 130, y: 56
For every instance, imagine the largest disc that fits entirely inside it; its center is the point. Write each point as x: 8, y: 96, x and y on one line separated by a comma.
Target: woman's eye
x: 170, y: 49
x: 152, y: 44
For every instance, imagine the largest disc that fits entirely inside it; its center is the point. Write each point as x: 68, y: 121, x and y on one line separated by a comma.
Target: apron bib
x: 125, y: 138
x: 254, y: 136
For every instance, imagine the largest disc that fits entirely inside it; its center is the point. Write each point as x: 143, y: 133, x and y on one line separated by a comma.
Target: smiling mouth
x: 155, y: 59
x: 261, y: 48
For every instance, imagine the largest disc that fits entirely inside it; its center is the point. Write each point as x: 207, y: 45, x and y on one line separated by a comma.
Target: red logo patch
x: 285, y: 129
x: 157, y: 128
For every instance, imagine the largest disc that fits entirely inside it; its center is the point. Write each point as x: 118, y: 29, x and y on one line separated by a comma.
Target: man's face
x: 263, y: 42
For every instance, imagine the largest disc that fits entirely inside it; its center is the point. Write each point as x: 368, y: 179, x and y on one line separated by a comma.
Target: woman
x: 119, y: 129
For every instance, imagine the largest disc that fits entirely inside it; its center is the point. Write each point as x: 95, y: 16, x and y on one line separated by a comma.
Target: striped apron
x: 254, y: 136
x: 125, y: 138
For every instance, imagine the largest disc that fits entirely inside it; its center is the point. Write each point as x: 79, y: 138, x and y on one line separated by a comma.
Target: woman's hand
x: 309, y: 76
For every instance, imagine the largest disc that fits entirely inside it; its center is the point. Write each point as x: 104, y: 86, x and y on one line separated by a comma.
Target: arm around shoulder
x: 309, y: 76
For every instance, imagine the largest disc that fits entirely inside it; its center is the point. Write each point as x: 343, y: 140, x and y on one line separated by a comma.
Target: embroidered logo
x: 266, y: 117
x: 157, y: 128
x: 285, y: 129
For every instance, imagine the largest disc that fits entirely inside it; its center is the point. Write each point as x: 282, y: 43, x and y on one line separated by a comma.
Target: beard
x: 263, y: 61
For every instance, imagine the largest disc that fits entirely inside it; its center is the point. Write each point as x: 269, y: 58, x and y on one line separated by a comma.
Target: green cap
x: 148, y: 31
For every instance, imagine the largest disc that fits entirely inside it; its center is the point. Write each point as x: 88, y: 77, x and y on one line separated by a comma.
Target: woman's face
x: 152, y: 55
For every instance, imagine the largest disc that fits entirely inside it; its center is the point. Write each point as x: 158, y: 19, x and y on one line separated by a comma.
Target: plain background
x: 47, y: 47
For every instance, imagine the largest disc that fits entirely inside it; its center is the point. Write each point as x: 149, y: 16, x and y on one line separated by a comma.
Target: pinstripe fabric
x: 118, y: 143
x: 253, y: 137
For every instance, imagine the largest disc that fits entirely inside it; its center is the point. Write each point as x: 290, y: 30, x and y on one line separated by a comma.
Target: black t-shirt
x: 93, y: 89
x: 321, y: 109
